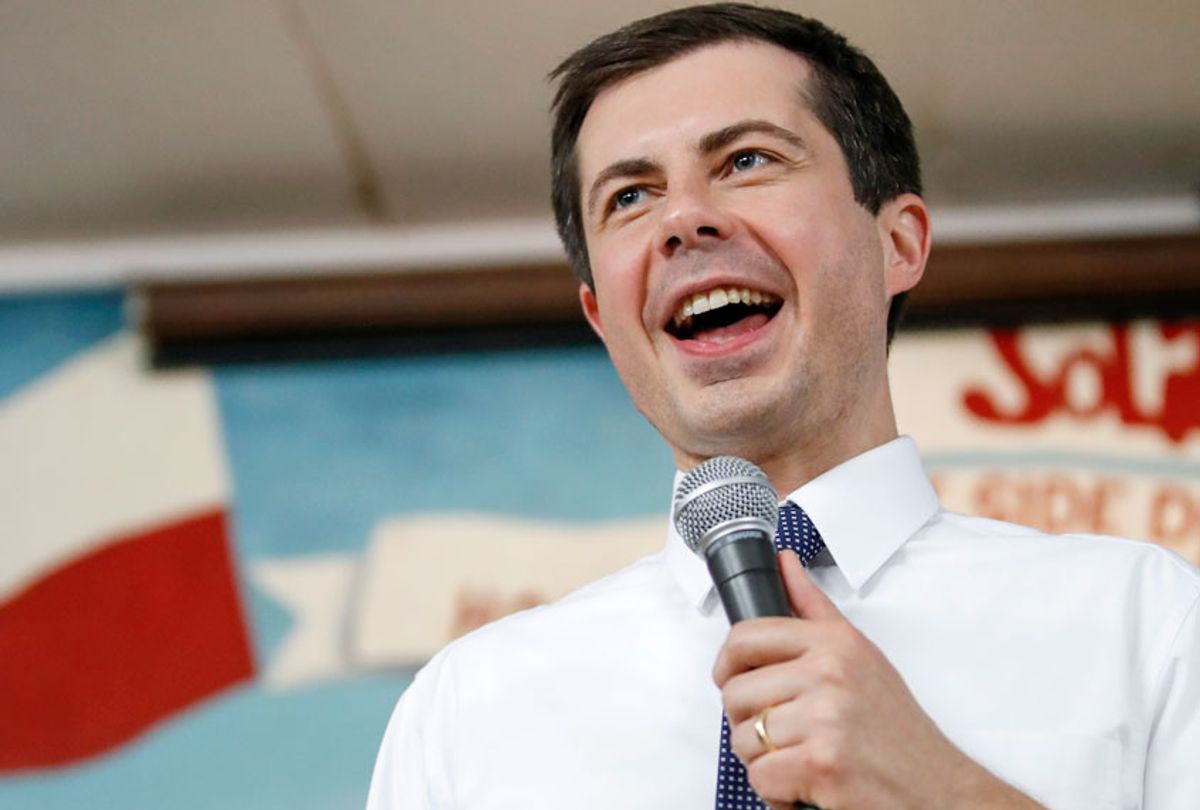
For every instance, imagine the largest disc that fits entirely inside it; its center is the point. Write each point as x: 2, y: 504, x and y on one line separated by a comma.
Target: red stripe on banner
x: 101, y: 648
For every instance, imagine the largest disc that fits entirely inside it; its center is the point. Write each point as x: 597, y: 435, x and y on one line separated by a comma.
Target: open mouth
x: 722, y: 313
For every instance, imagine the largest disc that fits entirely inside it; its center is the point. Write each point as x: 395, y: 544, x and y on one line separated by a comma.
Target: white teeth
x: 719, y: 297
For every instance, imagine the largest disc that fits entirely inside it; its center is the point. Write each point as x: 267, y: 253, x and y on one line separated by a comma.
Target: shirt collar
x: 865, y: 509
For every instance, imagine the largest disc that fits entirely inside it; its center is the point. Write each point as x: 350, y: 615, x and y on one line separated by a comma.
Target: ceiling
x: 137, y: 117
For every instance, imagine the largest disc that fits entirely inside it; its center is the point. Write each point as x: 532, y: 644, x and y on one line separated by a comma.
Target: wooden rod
x: 963, y: 283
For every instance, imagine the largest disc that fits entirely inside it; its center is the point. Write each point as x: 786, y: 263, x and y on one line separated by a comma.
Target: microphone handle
x: 745, y: 570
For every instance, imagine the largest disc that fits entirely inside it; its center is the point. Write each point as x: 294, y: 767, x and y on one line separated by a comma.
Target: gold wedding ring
x: 760, y: 728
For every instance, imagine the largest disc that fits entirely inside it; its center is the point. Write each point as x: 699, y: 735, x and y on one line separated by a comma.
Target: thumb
x: 807, y: 600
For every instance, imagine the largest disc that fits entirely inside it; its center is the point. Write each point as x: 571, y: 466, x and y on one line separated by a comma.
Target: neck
x: 794, y: 459
x: 791, y: 470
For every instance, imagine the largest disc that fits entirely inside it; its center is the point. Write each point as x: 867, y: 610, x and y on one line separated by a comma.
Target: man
x: 738, y: 190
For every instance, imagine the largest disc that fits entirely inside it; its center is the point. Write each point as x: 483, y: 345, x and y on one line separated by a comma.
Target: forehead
x: 702, y: 91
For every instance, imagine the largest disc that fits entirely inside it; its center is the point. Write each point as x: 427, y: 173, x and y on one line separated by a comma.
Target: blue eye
x: 627, y: 197
x: 747, y: 160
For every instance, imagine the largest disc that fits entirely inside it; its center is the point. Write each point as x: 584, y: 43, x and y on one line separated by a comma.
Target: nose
x: 692, y: 218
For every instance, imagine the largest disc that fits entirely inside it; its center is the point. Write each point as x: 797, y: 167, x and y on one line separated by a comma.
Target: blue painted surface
x: 39, y: 331
x: 320, y: 451
x: 247, y: 749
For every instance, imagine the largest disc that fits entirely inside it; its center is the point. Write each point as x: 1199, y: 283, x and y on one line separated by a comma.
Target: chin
x: 733, y: 422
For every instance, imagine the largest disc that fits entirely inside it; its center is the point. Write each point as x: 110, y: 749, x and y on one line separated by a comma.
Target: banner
x: 118, y: 599
x: 214, y: 584
x: 1091, y: 429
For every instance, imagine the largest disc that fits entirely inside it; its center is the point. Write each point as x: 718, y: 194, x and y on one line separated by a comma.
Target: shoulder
x: 600, y: 613
x: 629, y: 590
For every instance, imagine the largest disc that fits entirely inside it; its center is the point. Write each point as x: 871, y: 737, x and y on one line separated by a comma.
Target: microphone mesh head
x: 722, y: 489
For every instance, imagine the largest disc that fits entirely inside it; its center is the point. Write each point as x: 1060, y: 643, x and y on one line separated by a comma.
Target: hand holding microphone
x: 725, y: 510
x: 844, y: 730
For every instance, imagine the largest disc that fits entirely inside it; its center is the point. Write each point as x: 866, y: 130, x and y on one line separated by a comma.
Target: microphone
x: 725, y: 510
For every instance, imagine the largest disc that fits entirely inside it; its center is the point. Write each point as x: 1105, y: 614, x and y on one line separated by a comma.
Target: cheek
x: 835, y: 261
x: 802, y: 230
x: 618, y: 277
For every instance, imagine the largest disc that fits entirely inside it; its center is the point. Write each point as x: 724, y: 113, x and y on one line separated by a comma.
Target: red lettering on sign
x: 1181, y: 397
x: 1053, y: 502
x: 1174, y: 515
x: 475, y: 607
x: 1107, y: 378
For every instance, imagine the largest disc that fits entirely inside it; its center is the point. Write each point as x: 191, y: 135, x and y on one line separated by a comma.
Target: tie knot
x: 796, y: 531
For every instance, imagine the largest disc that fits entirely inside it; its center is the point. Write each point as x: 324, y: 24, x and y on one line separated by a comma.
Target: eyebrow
x: 716, y: 141
x: 622, y: 168
x: 712, y: 142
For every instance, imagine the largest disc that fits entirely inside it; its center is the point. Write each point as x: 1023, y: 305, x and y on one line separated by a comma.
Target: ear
x: 591, y: 309
x: 904, y: 230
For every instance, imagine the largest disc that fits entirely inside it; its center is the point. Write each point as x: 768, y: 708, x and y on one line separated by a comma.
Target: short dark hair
x: 848, y: 95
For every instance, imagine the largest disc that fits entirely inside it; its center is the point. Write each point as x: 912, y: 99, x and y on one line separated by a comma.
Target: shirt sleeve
x: 1173, y: 760
x: 411, y: 770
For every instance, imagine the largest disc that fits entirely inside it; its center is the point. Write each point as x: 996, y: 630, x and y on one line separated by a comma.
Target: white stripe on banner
x: 98, y: 447
x: 427, y: 579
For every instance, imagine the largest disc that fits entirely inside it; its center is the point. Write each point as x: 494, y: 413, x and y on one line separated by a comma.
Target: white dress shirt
x: 1069, y: 666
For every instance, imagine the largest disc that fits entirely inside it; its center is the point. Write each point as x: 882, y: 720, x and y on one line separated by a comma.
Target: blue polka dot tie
x: 796, y: 532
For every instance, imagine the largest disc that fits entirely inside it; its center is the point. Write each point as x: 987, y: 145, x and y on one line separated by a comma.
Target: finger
x: 807, y: 600
x: 748, y: 693
x: 786, y: 725
x: 746, y: 743
x: 757, y: 643
x: 781, y: 778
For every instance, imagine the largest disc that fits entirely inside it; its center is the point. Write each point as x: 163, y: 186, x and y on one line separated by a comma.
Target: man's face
x: 739, y: 288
